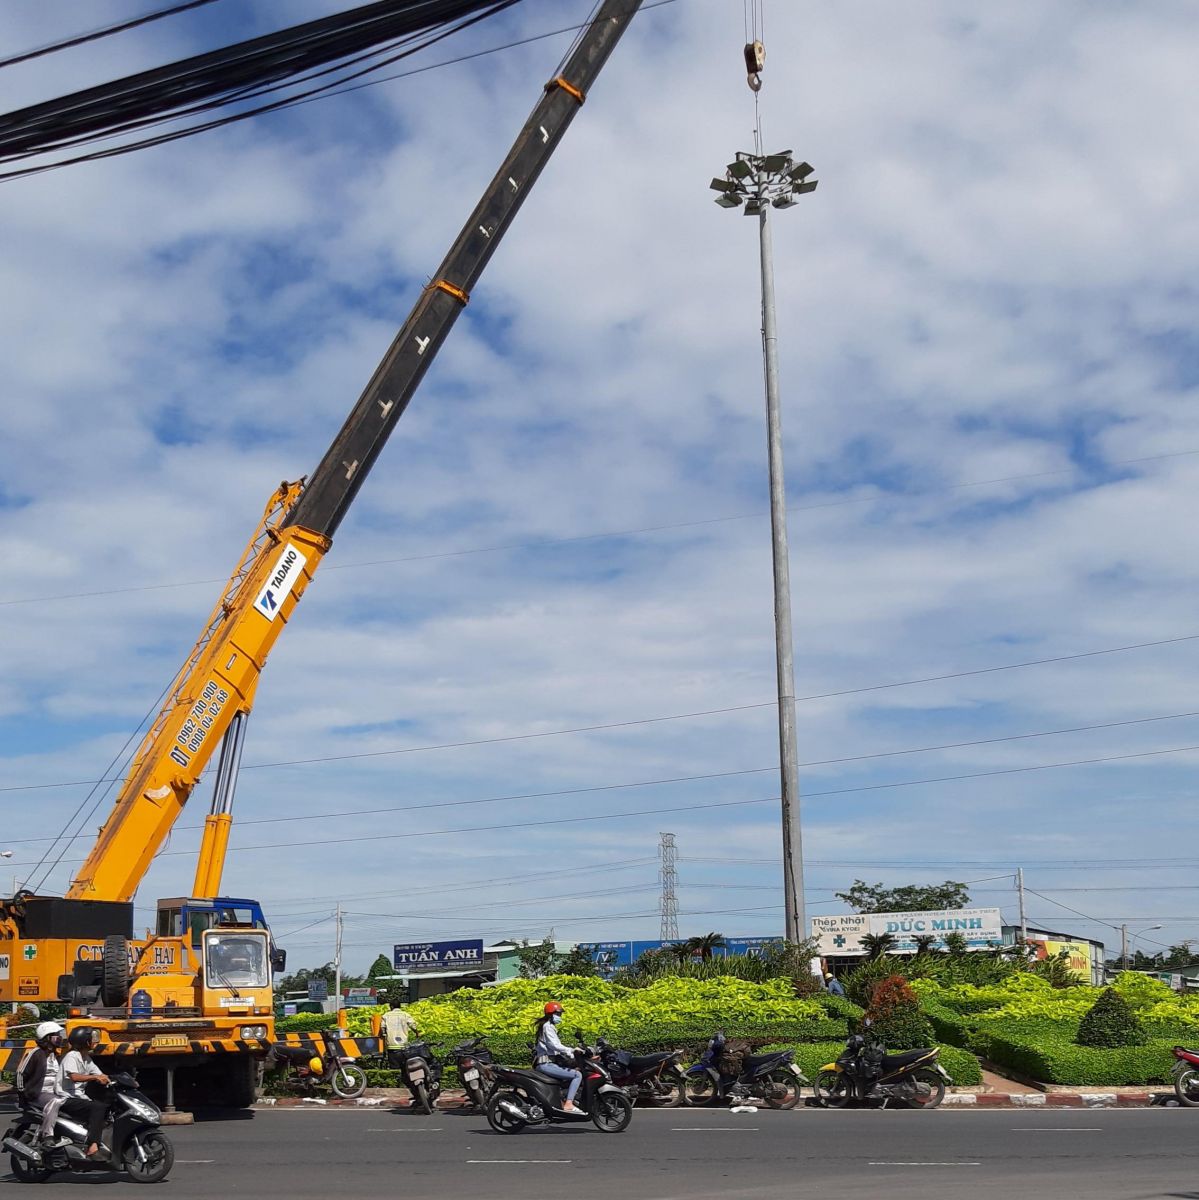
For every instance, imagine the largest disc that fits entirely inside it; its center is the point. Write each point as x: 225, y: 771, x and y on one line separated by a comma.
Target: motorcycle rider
x: 39, y: 1077
x: 79, y: 1069
x: 550, y: 1047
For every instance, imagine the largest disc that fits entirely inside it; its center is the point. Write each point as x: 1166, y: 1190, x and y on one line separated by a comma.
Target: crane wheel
x: 114, y: 983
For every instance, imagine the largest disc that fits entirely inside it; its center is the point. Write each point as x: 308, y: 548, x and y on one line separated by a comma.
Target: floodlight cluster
x: 752, y: 181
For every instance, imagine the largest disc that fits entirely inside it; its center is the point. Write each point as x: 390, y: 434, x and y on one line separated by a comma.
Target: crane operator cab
x: 187, y: 917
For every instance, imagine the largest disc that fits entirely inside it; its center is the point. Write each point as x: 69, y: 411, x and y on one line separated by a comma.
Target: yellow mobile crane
x: 195, y: 996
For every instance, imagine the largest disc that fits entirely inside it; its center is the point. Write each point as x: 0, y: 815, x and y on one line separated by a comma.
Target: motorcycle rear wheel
x: 1186, y: 1087
x: 700, y: 1090
x: 783, y: 1090
x: 23, y: 1169
x: 349, y: 1082
x: 420, y: 1094
x: 498, y: 1119
x: 936, y: 1089
x: 832, y: 1088
x: 674, y: 1084
x: 611, y: 1112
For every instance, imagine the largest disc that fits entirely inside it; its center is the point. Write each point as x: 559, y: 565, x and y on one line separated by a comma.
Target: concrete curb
x: 1122, y: 1099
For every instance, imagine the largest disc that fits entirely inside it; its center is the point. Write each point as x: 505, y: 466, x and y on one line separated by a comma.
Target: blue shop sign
x: 426, y: 955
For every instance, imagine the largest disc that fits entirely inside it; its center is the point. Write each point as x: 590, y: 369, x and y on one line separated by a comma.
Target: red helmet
x: 552, y: 1007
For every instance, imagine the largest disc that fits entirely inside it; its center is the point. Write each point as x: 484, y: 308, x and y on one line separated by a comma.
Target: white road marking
x: 515, y: 1161
x: 925, y: 1164
x: 1056, y: 1129
x: 191, y: 1162
x: 431, y: 1129
x: 714, y: 1128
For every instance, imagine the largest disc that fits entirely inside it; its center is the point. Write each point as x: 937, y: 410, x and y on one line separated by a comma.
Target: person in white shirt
x: 39, y: 1077
x: 78, y: 1070
x: 550, y: 1047
x: 397, y: 1027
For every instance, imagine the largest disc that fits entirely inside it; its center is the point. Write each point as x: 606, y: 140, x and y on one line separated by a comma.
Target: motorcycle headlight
x: 142, y: 1108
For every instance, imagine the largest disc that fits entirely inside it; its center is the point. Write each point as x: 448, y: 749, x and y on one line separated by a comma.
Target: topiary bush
x: 1110, y: 1023
x: 895, y: 1016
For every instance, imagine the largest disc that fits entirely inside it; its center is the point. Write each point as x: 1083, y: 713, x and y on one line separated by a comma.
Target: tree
x: 895, y: 1017
x: 955, y: 943
x: 579, y: 960
x: 706, y: 945
x: 924, y: 943
x: 538, y: 959
x: 874, y: 898
x: 680, y: 951
x: 877, y: 945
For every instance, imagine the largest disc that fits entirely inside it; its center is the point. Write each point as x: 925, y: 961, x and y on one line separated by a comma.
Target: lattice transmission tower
x: 669, y: 877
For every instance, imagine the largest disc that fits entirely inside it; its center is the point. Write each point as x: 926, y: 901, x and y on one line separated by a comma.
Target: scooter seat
x: 894, y: 1062
x: 645, y: 1061
x: 753, y: 1061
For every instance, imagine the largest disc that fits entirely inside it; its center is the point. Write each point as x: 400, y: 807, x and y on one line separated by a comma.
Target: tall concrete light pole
x: 756, y: 183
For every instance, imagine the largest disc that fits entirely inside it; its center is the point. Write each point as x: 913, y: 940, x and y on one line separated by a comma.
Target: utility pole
x: 1023, y: 919
x: 668, y: 930
x: 1124, y: 946
x: 337, y: 967
x: 760, y: 182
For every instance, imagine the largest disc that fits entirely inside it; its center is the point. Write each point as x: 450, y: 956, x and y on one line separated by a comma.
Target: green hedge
x: 1046, y: 1051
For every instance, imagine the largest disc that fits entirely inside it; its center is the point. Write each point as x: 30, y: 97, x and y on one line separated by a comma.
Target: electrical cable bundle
x: 327, y: 49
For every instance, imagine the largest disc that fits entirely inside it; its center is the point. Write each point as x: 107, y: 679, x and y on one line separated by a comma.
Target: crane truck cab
x: 190, y: 917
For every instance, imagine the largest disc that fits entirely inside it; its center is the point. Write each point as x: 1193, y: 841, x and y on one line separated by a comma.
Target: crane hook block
x: 755, y: 60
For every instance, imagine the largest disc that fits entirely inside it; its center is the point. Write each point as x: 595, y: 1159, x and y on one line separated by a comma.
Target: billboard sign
x: 359, y: 997
x: 318, y: 990
x: 1078, y: 955
x: 609, y: 956
x: 429, y: 956
x: 842, y: 935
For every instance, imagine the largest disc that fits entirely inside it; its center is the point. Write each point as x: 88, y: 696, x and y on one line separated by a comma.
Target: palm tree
x: 925, y: 943
x: 683, y: 951
x: 707, y: 944
x: 877, y: 944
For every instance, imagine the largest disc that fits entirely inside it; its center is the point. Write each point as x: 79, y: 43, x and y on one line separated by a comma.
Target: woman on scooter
x: 550, y: 1046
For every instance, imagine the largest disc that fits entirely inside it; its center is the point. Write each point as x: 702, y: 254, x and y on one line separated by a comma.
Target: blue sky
x: 988, y: 374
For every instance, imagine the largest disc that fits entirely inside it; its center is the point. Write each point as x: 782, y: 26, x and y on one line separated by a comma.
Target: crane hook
x: 755, y: 60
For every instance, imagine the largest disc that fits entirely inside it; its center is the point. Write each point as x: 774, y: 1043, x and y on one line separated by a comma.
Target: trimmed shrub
x: 1110, y: 1023
x: 895, y: 1016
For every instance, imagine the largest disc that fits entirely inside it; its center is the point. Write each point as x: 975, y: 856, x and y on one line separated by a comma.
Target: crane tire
x: 114, y: 982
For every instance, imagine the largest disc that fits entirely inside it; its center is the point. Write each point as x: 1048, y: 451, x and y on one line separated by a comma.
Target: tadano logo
x: 278, y: 587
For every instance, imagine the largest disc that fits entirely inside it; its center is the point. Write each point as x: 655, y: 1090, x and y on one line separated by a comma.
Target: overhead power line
x: 105, y: 31
x: 548, y: 543
x: 519, y: 737
x: 236, y: 73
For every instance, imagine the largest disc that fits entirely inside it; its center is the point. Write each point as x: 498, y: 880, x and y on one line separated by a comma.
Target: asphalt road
x: 1125, y: 1153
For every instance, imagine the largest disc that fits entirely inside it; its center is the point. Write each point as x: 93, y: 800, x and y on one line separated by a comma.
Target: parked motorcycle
x: 132, y: 1140
x: 524, y: 1097
x: 420, y: 1071
x: 772, y: 1078
x: 865, y: 1071
x: 1186, y: 1076
x: 305, y: 1071
x: 476, y: 1070
x: 654, y: 1078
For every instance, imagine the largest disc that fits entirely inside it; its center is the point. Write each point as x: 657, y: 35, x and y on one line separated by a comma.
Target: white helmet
x: 48, y: 1029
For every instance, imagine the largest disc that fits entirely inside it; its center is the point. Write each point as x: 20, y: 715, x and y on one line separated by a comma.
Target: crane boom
x: 219, y: 679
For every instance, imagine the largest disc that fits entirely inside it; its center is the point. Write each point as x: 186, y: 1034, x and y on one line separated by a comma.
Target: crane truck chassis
x: 195, y: 998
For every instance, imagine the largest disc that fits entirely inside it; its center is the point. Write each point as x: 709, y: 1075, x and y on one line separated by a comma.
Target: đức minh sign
x: 842, y: 935
x: 430, y: 956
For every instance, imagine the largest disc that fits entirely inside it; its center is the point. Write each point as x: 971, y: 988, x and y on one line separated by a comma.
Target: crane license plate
x: 167, y: 1041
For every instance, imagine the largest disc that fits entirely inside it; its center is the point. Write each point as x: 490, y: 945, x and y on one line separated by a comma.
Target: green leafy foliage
x: 874, y: 898
x: 1110, y: 1022
x: 895, y: 1016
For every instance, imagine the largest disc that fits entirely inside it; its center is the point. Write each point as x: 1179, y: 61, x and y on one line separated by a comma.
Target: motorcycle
x: 655, y: 1078
x: 865, y: 1071
x: 305, y: 1071
x: 772, y: 1078
x: 132, y: 1139
x: 476, y: 1070
x: 524, y: 1097
x: 1186, y: 1076
x: 420, y: 1071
